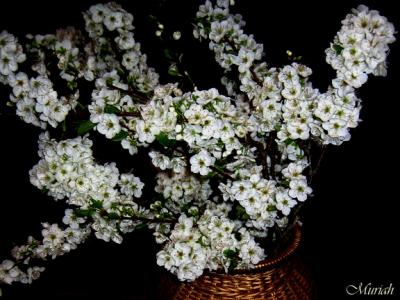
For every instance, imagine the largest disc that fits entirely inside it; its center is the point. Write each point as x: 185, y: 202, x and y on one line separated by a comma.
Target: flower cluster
x: 11, y: 54
x: 284, y: 96
x: 263, y: 199
x: 181, y: 190
x: 360, y: 47
x: 35, y: 98
x: 103, y: 52
x: 68, y: 171
x: 208, y: 242
x: 230, y: 168
x: 56, y: 242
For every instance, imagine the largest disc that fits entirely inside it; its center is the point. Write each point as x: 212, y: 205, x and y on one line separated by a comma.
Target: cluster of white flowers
x: 10, y: 272
x: 102, y: 53
x: 180, y: 190
x: 56, y: 242
x: 210, y: 242
x: 230, y: 169
x: 211, y: 125
x: 118, y: 116
x: 284, y: 96
x: 36, y: 100
x: 11, y: 54
x: 177, y: 164
x: 68, y: 170
x: 361, y: 46
x: 263, y: 199
x: 203, y: 119
x: 64, y: 46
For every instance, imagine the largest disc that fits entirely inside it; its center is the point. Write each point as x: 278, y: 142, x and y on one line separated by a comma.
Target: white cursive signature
x: 369, y: 289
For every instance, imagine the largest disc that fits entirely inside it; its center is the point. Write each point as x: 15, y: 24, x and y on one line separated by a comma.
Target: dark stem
x: 271, y: 148
x: 225, y: 174
x: 255, y: 77
x: 128, y: 114
x: 135, y: 93
x: 323, y: 150
x: 132, y: 92
x: 263, y: 159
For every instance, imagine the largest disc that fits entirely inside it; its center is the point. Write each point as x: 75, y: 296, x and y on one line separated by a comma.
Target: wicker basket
x: 281, y: 277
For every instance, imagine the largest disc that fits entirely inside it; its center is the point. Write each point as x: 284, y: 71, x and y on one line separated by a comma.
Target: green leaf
x: 44, y: 190
x: 141, y: 227
x: 120, y: 72
x: 84, y: 212
x: 230, y: 253
x: 210, y: 175
x: 239, y: 212
x: 260, y: 135
x: 35, y: 44
x: 233, y: 265
x: 72, y: 85
x: 104, y: 51
x: 285, y: 183
x: 185, y: 207
x: 111, y: 109
x: 96, y: 204
x: 61, y: 51
x: 85, y: 127
x: 131, y: 80
x: 278, y: 127
x: 113, y: 216
x: 338, y: 48
x: 110, y: 81
x: 120, y: 136
x: 180, y: 116
x: 290, y: 142
x: 64, y: 126
x: 193, y: 212
x: 201, y: 242
x: 219, y: 168
x: 210, y: 107
x: 164, y: 140
x: 173, y: 71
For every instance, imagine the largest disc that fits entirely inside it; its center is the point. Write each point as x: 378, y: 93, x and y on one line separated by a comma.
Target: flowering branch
x: 258, y: 139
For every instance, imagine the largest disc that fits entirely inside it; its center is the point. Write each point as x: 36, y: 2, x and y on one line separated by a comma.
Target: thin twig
x: 323, y: 150
x: 132, y: 92
x: 225, y: 174
x: 128, y: 114
x: 271, y: 148
x: 255, y: 77
x: 263, y: 158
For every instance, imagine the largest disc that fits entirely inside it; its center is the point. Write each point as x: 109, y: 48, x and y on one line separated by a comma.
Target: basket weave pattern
x: 281, y: 277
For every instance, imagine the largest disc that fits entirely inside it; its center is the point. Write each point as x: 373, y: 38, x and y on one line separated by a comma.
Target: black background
x: 350, y: 226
